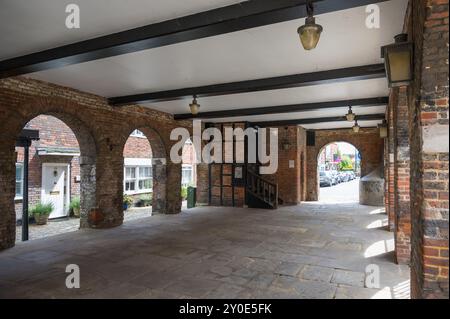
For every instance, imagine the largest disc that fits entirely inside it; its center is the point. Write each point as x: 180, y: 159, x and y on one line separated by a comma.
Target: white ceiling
x: 30, y: 26
x: 250, y: 54
x: 306, y: 94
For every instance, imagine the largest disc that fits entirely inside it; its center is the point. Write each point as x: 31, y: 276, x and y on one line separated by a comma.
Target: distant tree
x: 345, y: 164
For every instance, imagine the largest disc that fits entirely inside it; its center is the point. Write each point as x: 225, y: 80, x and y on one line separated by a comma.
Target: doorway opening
x: 339, y: 170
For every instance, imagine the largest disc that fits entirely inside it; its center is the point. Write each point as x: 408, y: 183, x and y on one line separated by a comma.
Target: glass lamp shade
x: 383, y: 129
x: 356, y: 127
x: 310, y: 33
x: 350, y: 116
x: 398, y: 60
x: 195, y: 107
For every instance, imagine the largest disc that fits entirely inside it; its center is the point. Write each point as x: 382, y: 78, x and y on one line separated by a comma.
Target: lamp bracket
x: 309, y: 8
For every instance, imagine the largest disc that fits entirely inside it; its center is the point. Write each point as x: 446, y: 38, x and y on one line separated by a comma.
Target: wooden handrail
x: 262, y: 178
x: 262, y: 189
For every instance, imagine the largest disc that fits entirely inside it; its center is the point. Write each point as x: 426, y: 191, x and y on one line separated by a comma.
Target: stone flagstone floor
x: 314, y: 250
x: 63, y: 226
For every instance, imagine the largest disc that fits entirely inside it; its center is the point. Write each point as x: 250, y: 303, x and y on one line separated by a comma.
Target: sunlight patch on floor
x: 379, y: 210
x: 399, y: 291
x: 379, y: 223
x: 402, y: 290
x: 384, y: 293
x: 379, y: 248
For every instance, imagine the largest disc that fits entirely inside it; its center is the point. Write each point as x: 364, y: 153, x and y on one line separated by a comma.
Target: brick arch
x: 16, y: 121
x: 367, y: 142
x: 159, y: 165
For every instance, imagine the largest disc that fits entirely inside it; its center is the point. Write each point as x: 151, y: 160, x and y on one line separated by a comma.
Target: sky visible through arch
x: 346, y: 148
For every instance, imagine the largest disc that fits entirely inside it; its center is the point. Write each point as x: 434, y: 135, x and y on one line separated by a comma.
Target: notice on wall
x: 238, y: 173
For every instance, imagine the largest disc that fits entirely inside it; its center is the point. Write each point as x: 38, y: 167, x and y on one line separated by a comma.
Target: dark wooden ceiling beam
x: 363, y: 72
x: 237, y: 17
x: 369, y: 117
x: 377, y: 101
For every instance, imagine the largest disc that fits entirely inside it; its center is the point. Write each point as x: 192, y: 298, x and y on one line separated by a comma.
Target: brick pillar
x: 390, y: 148
x: 312, y: 183
x: 429, y: 138
x: 109, y: 210
x: 202, y: 184
x: 173, y: 205
x: 159, y: 198
x: 87, y: 188
x: 401, y: 178
x: 7, y: 193
x: 288, y: 174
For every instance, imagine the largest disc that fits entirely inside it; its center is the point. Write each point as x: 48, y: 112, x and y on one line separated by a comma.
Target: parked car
x: 351, y: 175
x: 336, y: 177
x: 327, y: 179
x: 344, y: 177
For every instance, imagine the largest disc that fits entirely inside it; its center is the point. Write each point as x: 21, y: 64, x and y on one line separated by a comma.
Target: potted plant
x: 75, y: 206
x: 127, y: 201
x: 41, y: 211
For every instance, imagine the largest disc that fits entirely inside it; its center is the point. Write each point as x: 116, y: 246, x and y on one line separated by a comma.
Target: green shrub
x: 75, y: 203
x: 184, y: 192
x: 145, y: 200
x: 345, y: 164
x: 41, y: 209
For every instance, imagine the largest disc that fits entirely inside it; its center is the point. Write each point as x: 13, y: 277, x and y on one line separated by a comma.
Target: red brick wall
x: 102, y: 132
x: 137, y: 147
x: 291, y: 150
x: 288, y: 178
x: 389, y: 162
x: 428, y: 121
x: 402, y: 178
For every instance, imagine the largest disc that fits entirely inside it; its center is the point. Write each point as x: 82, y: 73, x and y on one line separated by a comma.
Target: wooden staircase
x: 261, y: 193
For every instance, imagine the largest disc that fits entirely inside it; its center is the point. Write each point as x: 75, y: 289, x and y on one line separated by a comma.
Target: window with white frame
x: 19, y: 180
x: 138, y: 176
x: 145, y: 181
x: 187, y: 175
x: 130, y: 179
x: 137, y: 133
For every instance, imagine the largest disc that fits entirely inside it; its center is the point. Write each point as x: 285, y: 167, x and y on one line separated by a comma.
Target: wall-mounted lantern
x: 399, y: 61
x: 383, y: 128
x: 285, y: 145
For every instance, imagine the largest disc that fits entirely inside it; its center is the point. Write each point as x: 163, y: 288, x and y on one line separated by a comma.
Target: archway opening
x: 61, y: 177
x: 339, y: 171
x: 137, y: 176
x: 188, y: 174
x: 144, y: 174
